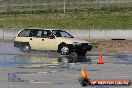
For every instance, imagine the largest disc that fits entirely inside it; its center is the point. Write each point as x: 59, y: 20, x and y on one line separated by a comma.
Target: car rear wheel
x: 26, y: 48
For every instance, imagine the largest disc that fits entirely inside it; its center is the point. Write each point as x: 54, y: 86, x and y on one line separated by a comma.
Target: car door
x: 49, y: 41
x: 36, y: 40
x: 43, y: 40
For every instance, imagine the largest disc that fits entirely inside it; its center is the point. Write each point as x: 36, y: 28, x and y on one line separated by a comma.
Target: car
x: 52, y: 40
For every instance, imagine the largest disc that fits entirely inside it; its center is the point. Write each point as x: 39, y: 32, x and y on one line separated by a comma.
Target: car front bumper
x: 82, y: 47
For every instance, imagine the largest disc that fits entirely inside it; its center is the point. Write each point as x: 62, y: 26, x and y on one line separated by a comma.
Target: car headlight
x: 76, y: 43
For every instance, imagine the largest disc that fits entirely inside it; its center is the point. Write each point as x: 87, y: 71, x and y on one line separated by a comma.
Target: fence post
x: 100, y: 4
x: 89, y: 33
x: 3, y: 34
x: 64, y: 6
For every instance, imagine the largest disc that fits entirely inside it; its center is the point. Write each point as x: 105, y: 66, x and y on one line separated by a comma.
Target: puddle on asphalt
x: 33, y: 61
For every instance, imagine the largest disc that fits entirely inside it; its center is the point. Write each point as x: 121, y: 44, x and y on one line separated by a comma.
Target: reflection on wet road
x: 39, y: 60
x: 32, y: 60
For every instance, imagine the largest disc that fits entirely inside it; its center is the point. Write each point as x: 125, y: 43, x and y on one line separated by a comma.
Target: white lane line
x: 42, y: 72
x: 42, y: 82
x: 29, y: 74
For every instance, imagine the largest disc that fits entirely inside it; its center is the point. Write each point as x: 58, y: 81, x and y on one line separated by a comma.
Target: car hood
x: 73, y: 40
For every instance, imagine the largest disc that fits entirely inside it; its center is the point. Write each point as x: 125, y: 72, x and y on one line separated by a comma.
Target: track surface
x: 51, y: 70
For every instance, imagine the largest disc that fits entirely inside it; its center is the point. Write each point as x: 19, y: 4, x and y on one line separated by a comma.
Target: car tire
x: 64, y: 50
x: 81, y: 53
x: 26, y: 48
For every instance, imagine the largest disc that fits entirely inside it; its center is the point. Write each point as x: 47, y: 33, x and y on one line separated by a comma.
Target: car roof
x: 40, y: 29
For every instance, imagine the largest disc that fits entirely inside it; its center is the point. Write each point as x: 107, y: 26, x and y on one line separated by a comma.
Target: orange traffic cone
x: 100, y: 59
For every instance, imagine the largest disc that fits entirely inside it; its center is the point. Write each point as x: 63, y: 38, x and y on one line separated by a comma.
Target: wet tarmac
x: 45, y: 69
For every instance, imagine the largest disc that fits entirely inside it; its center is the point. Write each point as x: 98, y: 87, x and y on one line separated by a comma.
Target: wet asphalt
x: 45, y: 69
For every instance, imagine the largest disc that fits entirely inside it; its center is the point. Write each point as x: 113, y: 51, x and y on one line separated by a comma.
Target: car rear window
x: 25, y: 33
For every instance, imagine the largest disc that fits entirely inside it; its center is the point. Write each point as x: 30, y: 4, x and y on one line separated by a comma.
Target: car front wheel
x: 64, y: 50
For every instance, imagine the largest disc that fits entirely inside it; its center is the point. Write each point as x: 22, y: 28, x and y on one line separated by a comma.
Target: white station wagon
x: 50, y: 39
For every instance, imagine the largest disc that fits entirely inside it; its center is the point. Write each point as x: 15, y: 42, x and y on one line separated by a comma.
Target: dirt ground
x: 112, y: 45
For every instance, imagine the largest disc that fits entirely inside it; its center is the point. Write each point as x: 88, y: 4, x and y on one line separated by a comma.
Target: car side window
x: 25, y: 33
x: 33, y: 33
x: 39, y: 33
x: 64, y: 34
x: 46, y: 34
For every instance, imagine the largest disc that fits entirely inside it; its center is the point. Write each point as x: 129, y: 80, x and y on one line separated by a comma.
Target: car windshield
x: 60, y: 33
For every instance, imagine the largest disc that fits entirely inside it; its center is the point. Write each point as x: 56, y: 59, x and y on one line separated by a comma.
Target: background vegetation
x: 77, y: 16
